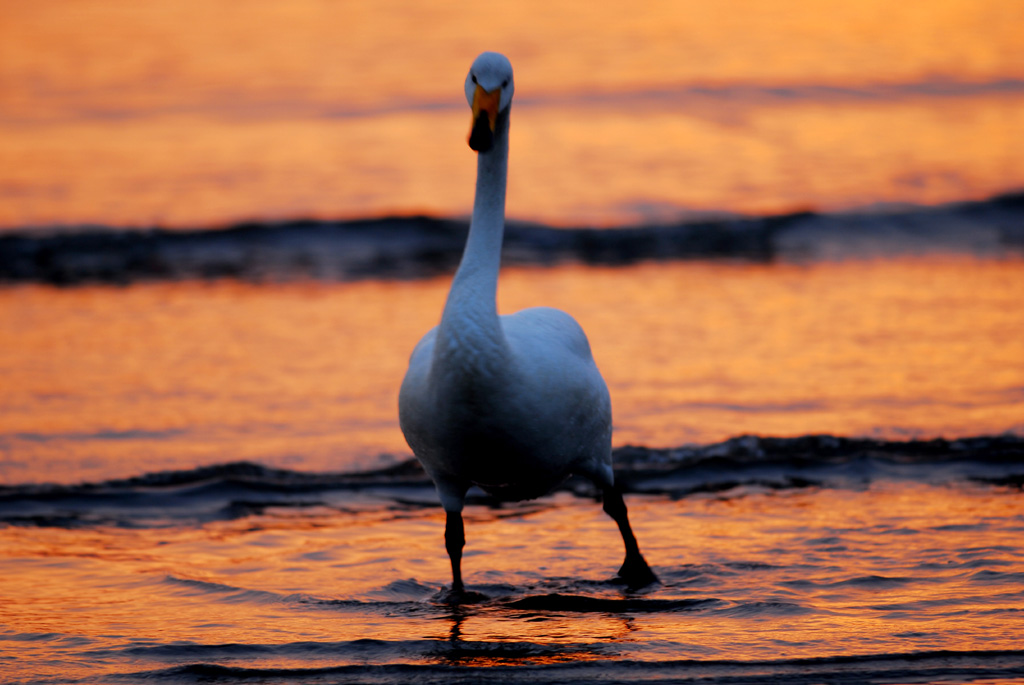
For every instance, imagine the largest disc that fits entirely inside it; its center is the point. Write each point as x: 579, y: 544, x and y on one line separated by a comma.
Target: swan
x: 513, y: 404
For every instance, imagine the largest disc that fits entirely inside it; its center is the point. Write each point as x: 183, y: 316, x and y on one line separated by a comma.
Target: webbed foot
x: 636, y: 573
x: 459, y: 595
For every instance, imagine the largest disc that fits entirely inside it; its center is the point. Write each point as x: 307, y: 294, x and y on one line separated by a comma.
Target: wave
x: 420, y: 246
x: 934, y: 667
x: 734, y: 467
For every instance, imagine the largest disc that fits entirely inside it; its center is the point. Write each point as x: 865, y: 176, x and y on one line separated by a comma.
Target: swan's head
x: 489, y: 88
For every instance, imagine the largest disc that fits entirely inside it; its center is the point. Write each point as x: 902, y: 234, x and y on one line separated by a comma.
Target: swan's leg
x: 454, y: 541
x: 635, y: 570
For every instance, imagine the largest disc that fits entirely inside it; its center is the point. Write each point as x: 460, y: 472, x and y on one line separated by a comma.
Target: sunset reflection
x: 771, y: 576
x: 198, y: 115
x: 173, y: 498
x: 306, y: 375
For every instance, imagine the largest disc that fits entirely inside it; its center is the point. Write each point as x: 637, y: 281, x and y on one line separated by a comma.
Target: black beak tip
x: 481, y: 138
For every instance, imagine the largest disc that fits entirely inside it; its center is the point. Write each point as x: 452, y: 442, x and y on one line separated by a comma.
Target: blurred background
x: 203, y: 114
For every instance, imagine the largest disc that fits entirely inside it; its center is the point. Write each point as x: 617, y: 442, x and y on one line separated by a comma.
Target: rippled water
x: 879, y: 575
x: 193, y: 424
x: 816, y: 560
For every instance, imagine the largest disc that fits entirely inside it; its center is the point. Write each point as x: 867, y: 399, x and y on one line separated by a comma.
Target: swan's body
x: 513, y: 404
x: 515, y: 419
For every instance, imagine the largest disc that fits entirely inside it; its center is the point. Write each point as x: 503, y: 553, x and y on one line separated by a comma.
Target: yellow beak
x: 486, y: 102
x: 485, y: 116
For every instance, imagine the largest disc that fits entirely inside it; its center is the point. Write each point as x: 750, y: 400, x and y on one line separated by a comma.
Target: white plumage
x: 513, y: 404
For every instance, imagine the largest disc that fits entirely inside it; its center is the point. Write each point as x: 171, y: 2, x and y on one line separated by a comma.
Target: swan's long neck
x: 469, y: 326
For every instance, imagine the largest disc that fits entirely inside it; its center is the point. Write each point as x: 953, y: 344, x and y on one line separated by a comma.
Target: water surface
x: 193, y: 421
x: 201, y: 114
x: 108, y: 382
x: 879, y: 576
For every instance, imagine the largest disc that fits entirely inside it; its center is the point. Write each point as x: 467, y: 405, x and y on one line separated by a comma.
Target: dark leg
x: 454, y: 541
x: 635, y: 570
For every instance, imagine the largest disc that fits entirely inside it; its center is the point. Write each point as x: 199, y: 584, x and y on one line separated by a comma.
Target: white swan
x: 514, y: 403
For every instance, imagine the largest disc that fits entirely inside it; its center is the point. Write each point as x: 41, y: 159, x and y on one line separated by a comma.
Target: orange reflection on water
x: 890, y: 569
x: 172, y: 375
x: 759, y: 157
x: 569, y: 165
x: 328, y: 52
x: 192, y: 113
x: 884, y: 565
x: 704, y: 351
x: 103, y: 383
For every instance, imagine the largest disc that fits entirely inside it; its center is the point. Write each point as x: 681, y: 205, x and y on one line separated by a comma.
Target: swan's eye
x: 473, y: 76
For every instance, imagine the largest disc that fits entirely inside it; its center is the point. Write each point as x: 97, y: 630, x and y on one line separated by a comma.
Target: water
x: 146, y: 537
x: 105, y: 382
x: 817, y: 560
x: 775, y: 219
x: 196, y: 114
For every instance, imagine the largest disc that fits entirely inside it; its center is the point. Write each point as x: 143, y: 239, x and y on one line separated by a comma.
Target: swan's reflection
x: 538, y: 638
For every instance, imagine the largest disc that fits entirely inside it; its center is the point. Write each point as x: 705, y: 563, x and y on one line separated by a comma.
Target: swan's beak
x: 485, y: 115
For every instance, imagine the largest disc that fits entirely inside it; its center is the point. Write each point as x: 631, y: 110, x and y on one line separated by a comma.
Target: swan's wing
x: 564, y: 385
x: 418, y: 419
x: 414, y: 401
x: 547, y: 333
